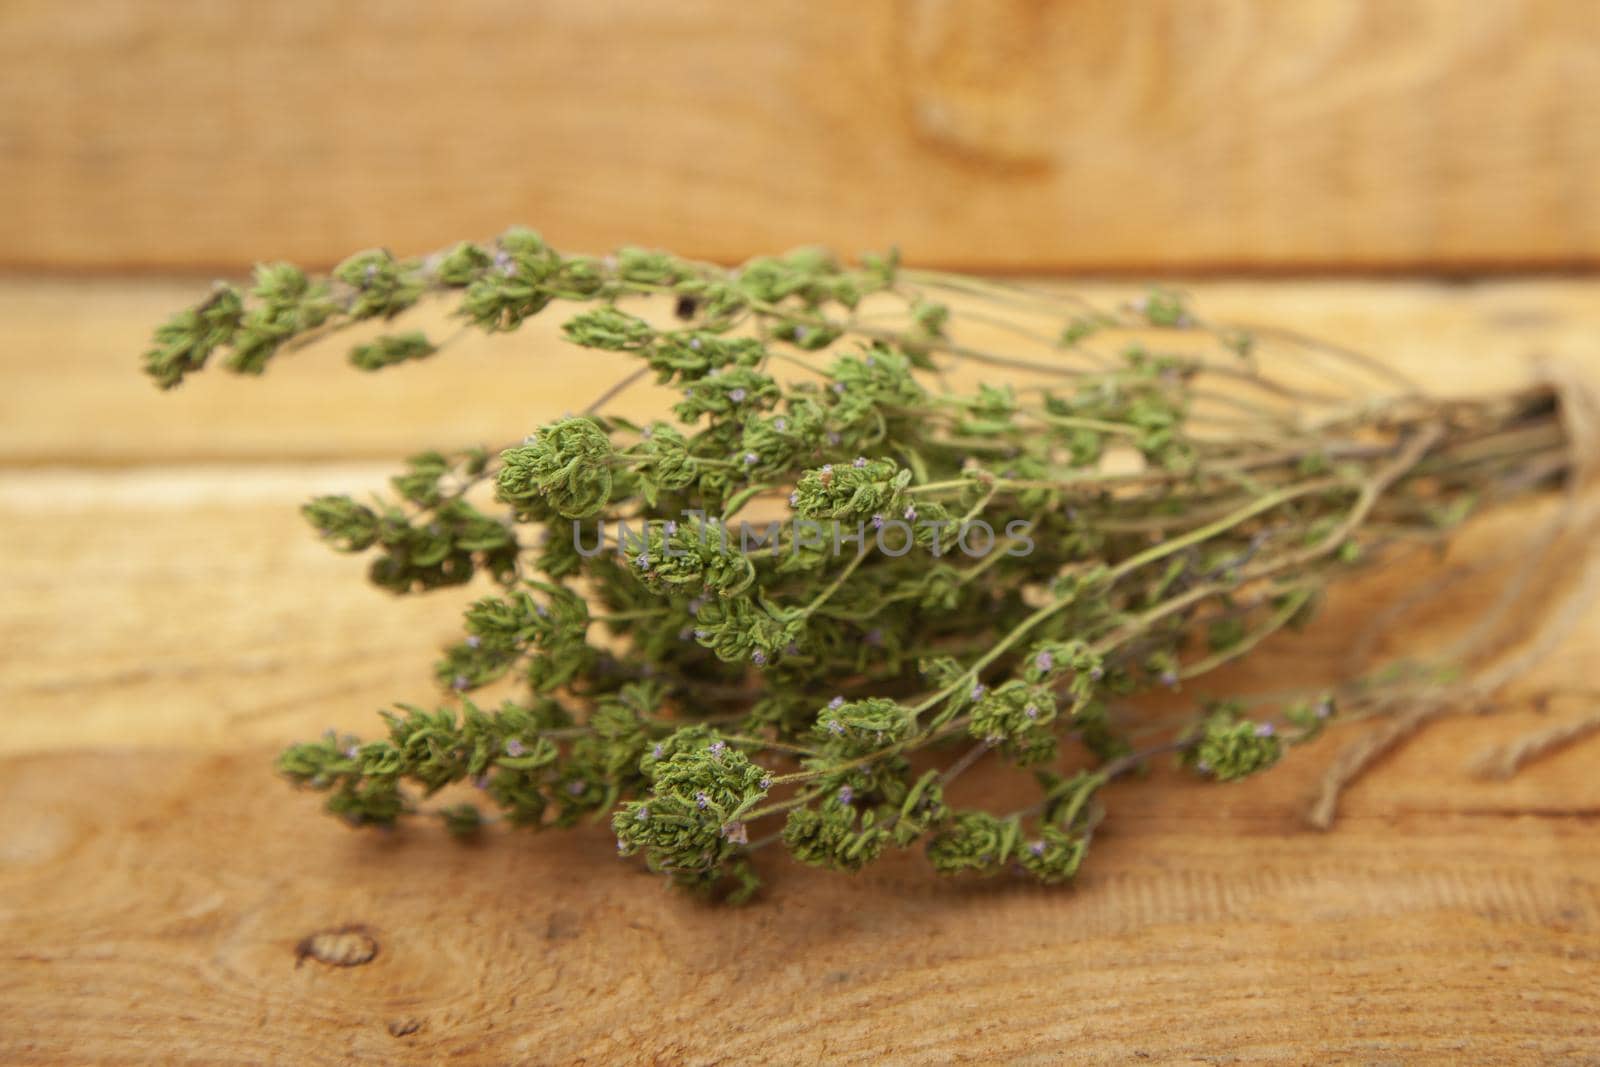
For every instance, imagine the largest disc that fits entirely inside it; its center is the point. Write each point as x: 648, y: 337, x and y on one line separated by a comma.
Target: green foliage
x: 287, y: 304
x: 835, y: 834
x: 1162, y: 307
x: 390, y: 349
x: 348, y: 526
x: 184, y: 342
x: 862, y: 726
x: 610, y: 329
x: 738, y: 392
x: 379, y: 285
x: 690, y: 821
x: 567, y: 467
x: 855, y: 492
x: 961, y: 574
x: 504, y: 630
x: 975, y: 842
x: 1019, y: 716
x: 1229, y: 747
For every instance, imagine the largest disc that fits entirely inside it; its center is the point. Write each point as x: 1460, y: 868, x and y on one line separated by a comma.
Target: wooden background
x: 1128, y: 135
x: 166, y: 621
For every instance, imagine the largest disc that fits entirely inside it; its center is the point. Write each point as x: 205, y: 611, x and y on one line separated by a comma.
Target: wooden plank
x: 167, y: 621
x: 1009, y: 135
x: 196, y: 609
x: 157, y: 909
x: 75, y: 395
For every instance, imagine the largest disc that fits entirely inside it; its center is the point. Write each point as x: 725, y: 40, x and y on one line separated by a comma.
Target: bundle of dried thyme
x: 837, y: 578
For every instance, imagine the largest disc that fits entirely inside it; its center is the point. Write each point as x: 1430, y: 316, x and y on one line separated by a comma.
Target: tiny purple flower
x: 1203, y: 767
x: 827, y: 468
x: 670, y: 527
x: 978, y: 691
x: 910, y: 514
x: 1044, y: 661
x: 694, y: 343
x: 658, y: 750
x: 766, y: 783
x: 459, y: 683
x: 794, y: 500
x: 846, y: 794
x: 352, y: 752
x: 1169, y: 679
x: 737, y: 395
x: 751, y: 459
x: 717, y: 748
x: 836, y: 727
x: 474, y: 641
x: 759, y: 658
x: 1097, y: 672
x: 780, y: 424
x: 1037, y: 848
x: 1031, y: 711
x: 702, y: 801
x: 642, y: 814
x: 836, y: 703
x: 702, y: 634
x: 838, y: 387
x: 861, y: 461
x: 877, y: 522
x: 642, y: 561
x: 1264, y: 729
x: 514, y: 748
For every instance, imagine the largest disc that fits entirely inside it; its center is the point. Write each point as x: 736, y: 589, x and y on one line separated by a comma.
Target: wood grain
x: 196, y: 609
x: 1015, y: 134
x: 156, y: 905
x: 167, y: 622
x: 74, y: 395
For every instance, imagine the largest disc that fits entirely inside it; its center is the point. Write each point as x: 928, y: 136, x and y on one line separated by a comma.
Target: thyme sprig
x: 940, y: 574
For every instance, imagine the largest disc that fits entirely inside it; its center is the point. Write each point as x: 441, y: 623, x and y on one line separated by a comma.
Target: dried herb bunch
x: 838, y: 578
